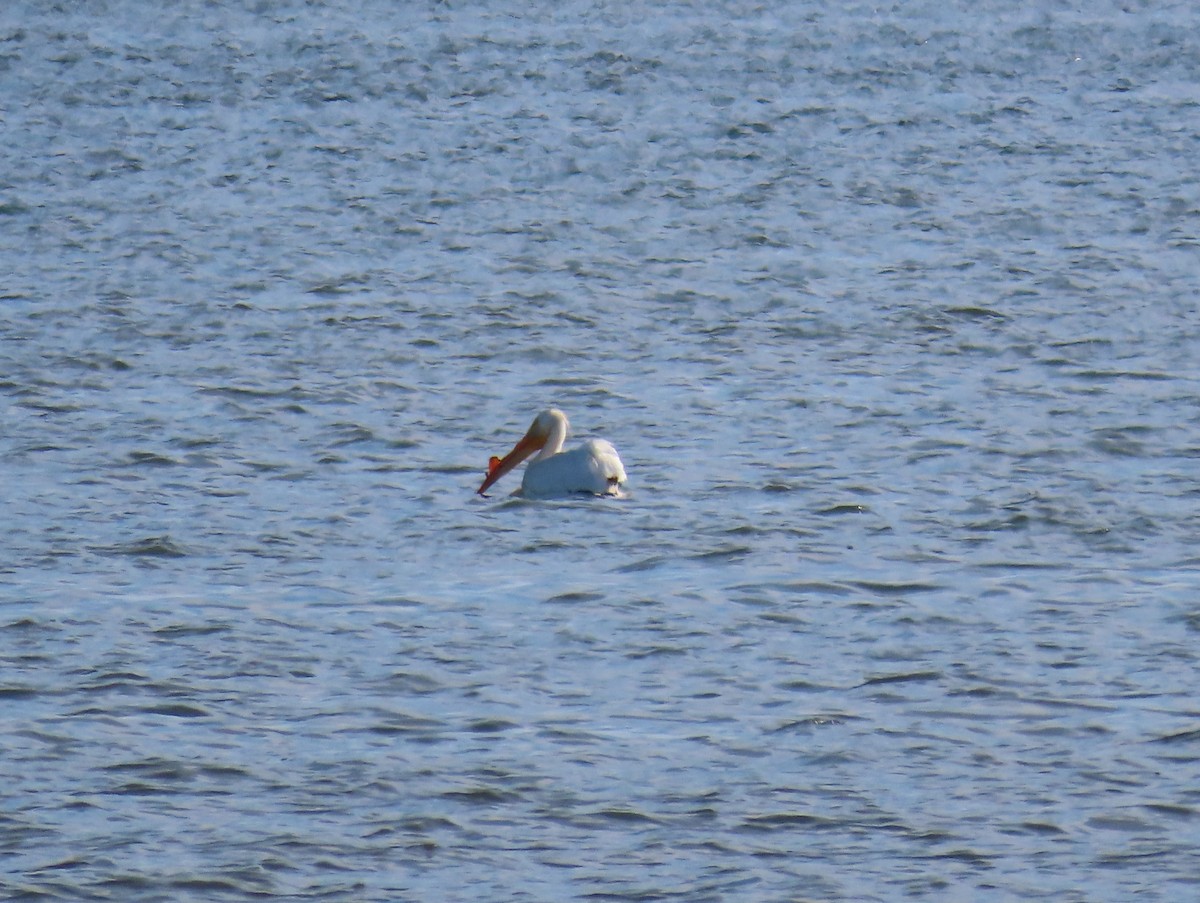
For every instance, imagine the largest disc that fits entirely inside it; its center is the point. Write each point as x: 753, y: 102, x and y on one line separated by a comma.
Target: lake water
x: 891, y: 310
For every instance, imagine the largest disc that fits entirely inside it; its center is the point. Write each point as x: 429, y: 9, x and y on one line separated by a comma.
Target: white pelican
x: 592, y: 467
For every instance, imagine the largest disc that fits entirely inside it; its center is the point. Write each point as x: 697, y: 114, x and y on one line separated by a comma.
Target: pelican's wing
x: 592, y: 467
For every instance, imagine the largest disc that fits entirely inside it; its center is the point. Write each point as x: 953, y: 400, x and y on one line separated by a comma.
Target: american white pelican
x: 592, y: 467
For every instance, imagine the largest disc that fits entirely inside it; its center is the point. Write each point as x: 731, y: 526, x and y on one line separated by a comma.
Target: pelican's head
x: 550, y: 421
x: 547, y: 433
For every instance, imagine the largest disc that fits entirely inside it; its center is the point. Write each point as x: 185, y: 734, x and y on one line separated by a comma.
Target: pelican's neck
x: 556, y: 437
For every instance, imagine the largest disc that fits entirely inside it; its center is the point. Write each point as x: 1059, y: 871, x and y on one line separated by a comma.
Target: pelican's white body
x: 594, y: 467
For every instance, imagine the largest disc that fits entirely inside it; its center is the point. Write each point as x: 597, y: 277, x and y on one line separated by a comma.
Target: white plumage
x: 593, y: 467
